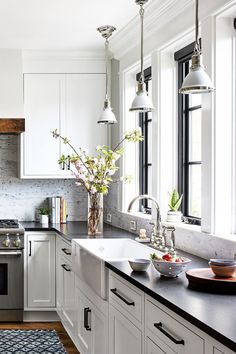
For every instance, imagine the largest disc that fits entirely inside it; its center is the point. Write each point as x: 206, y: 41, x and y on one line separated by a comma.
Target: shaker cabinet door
x: 124, y: 336
x: 41, y: 270
x: 84, y: 103
x: 44, y: 110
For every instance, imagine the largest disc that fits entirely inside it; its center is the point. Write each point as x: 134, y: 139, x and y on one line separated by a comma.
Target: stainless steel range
x: 11, y: 270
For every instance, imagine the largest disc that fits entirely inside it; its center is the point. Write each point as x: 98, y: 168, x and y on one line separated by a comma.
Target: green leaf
x: 175, y: 200
x: 177, y: 204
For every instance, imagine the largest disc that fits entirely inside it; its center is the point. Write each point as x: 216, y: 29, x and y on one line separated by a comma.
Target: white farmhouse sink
x: 89, y: 258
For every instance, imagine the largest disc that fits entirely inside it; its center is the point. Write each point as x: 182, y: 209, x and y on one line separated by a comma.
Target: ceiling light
x: 197, y: 80
x: 142, y: 102
x: 107, y: 116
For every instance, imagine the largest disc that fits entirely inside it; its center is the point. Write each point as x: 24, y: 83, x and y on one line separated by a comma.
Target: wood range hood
x: 12, y: 125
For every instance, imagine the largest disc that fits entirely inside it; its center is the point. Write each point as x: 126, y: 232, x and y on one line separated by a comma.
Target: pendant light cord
x: 197, y: 48
x: 141, y: 12
x: 106, y: 49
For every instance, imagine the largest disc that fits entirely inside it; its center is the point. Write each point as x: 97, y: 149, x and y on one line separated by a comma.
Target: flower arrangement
x: 95, y: 173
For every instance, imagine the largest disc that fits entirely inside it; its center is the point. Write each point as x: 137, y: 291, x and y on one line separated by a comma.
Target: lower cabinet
x: 92, y: 327
x: 65, y: 285
x: 153, y: 348
x: 124, y: 336
x: 40, y: 270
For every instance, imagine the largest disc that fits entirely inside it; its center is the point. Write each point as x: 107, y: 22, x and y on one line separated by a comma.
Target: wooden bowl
x: 223, y: 271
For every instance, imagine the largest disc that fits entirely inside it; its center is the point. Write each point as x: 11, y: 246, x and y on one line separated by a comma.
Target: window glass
x: 145, y: 149
x: 195, y: 135
x: 195, y: 191
x: 189, y: 142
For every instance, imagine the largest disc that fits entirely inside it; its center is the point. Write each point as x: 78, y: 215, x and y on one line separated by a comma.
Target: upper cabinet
x: 70, y: 103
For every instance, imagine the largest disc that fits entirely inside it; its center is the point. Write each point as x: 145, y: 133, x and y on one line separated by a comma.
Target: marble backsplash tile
x: 20, y: 198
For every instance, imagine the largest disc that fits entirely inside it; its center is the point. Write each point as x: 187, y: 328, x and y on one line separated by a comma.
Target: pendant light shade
x: 197, y: 80
x: 141, y: 102
x: 107, y: 116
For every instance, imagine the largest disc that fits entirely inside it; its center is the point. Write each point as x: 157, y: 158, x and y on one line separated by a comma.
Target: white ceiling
x: 60, y: 24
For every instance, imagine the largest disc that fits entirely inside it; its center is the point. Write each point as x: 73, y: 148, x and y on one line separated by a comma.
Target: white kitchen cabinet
x: 218, y: 348
x: 70, y: 103
x: 44, y: 100
x: 92, y: 327
x: 154, y: 348
x: 217, y: 351
x: 124, y: 336
x: 65, y: 285
x: 84, y: 96
x: 166, y: 329
x: 40, y: 270
x: 68, y: 294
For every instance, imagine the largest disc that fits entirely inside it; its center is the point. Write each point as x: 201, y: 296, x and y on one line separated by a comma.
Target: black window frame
x: 144, y: 164
x: 183, y: 57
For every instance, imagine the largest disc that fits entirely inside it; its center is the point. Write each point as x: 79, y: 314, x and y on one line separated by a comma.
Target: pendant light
x: 107, y: 116
x: 197, y: 81
x: 142, y: 102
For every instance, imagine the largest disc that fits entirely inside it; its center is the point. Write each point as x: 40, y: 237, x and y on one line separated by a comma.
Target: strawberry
x: 167, y: 257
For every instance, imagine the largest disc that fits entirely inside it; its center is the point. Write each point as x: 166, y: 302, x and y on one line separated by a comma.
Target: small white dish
x: 143, y: 240
x: 139, y: 265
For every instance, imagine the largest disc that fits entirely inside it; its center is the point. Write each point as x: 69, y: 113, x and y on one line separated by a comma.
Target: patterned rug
x: 30, y: 341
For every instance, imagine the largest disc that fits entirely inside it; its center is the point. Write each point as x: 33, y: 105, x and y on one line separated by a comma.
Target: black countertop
x: 213, y: 313
x: 76, y: 230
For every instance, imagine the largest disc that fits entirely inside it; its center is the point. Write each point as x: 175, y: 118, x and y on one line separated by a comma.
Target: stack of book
x: 58, y: 210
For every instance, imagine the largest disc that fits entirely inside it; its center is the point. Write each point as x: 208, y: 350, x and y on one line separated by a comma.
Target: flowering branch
x: 94, y: 173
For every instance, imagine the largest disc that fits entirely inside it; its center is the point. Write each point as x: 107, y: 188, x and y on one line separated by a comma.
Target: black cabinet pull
x: 129, y: 303
x: 168, y: 335
x: 66, y: 251
x: 66, y: 267
x: 86, y: 318
x: 30, y: 248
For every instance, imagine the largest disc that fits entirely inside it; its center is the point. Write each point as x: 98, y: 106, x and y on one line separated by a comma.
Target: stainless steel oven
x: 11, y: 285
x: 11, y: 271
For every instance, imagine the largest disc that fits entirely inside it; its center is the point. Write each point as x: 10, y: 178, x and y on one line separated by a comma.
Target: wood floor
x: 65, y: 339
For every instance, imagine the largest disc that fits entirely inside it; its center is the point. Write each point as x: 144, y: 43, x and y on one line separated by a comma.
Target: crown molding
x: 163, y: 21
x: 158, y: 14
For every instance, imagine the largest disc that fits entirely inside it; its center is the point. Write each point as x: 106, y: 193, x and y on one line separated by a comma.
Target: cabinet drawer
x: 127, y: 297
x: 157, y: 348
x: 172, y: 332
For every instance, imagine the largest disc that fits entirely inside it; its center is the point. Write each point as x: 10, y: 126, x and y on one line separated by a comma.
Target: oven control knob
x: 6, y: 241
x: 17, y: 241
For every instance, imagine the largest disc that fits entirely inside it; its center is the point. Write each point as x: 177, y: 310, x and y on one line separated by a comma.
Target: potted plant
x: 43, y: 215
x: 174, y: 215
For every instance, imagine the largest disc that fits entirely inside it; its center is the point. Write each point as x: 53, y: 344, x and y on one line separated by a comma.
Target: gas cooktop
x: 9, y: 224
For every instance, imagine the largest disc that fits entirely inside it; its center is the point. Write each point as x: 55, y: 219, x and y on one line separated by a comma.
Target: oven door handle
x: 10, y: 253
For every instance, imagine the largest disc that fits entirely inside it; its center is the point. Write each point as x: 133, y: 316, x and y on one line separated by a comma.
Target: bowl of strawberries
x: 169, y: 265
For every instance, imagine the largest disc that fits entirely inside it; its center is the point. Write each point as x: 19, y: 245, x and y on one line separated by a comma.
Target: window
x: 189, y: 142
x: 145, y: 149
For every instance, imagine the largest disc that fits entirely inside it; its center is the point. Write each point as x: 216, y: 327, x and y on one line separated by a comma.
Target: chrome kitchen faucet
x: 157, y: 238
